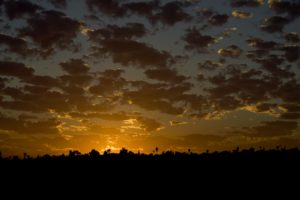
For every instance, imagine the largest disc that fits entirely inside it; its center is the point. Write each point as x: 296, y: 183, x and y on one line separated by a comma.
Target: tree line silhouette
x: 280, y: 154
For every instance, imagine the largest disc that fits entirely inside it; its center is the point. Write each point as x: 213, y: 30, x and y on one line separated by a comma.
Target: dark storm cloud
x: 247, y: 3
x: 232, y: 51
x: 51, y: 29
x: 129, y: 52
x: 274, y: 24
x: 15, y: 45
x: 166, y: 75
x: 75, y: 67
x: 196, y: 41
x: 18, y: 8
x: 116, y: 32
x: 292, y: 37
x: 15, y: 69
x: 272, y: 129
x: 218, y: 19
x: 59, y: 3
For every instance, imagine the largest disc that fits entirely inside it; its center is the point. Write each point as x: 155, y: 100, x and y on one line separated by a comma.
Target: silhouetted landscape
x: 280, y: 155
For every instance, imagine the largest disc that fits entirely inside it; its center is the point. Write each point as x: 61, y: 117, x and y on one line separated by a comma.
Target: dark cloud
x: 196, y: 41
x: 149, y: 125
x: 108, y: 7
x: 167, y: 14
x: 59, y: 32
x: 291, y: 107
x: 272, y: 129
x: 272, y: 64
x: 129, y: 52
x: 166, y: 75
x: 292, y: 37
x: 20, y: 126
x: 59, y: 3
x: 274, y: 24
x: 289, y: 92
x: 262, y: 44
x: 290, y: 116
x: 209, y: 65
x: 143, y: 8
x: 290, y: 7
x: 75, y: 67
x: 18, y: 8
x: 248, y: 3
x: 232, y: 51
x: 109, y: 83
x: 291, y: 53
x: 248, y: 87
x: 15, y: 45
x: 15, y: 69
x: 218, y: 19
x: 171, y: 13
x: 115, y: 32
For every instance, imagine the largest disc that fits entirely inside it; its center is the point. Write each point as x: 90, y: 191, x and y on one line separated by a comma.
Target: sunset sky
x: 141, y: 74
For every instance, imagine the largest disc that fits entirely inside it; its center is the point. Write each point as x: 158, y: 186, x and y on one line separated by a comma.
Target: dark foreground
x: 246, y: 170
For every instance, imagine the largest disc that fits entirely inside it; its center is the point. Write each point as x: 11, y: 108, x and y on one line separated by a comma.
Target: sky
x: 140, y: 74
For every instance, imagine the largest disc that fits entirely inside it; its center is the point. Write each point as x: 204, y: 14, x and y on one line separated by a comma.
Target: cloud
x: 291, y: 53
x: 241, y: 14
x: 75, y: 67
x: 262, y: 44
x: 115, y: 32
x: 166, y: 75
x: 44, y: 127
x: 60, y: 31
x: 218, y: 19
x: 272, y: 129
x: 247, y: 3
x: 110, y: 8
x: 290, y: 7
x: 290, y: 116
x: 292, y: 37
x: 210, y: 65
x: 274, y: 24
x: 129, y: 52
x: 16, y: 45
x: 272, y: 64
x: 148, y: 124
x: 15, y: 69
x: 109, y: 83
x: 177, y: 123
x: 59, y: 3
x: 171, y: 13
x: 18, y: 8
x: 232, y: 51
x: 196, y: 41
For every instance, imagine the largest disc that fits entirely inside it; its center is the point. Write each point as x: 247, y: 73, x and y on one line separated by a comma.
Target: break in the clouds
x: 175, y: 74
